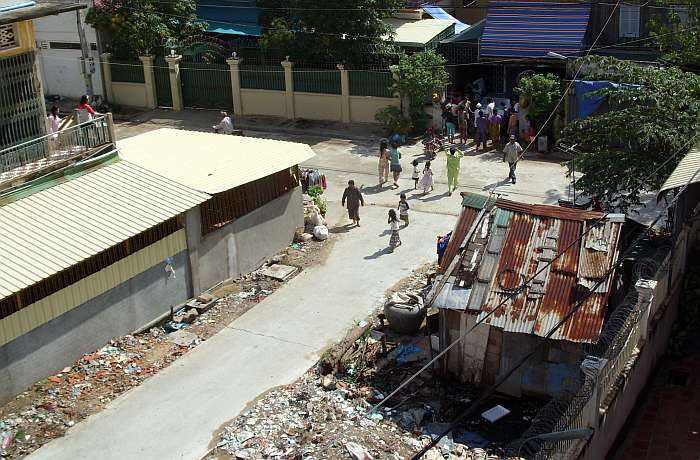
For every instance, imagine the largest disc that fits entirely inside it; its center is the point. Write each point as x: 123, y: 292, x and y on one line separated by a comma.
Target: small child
x: 416, y: 174
x: 395, y: 240
x: 403, y: 209
x: 426, y: 182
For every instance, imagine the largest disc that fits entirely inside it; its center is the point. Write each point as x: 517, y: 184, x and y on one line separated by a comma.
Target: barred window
x: 8, y: 37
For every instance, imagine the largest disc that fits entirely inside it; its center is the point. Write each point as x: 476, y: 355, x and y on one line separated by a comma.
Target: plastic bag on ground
x: 321, y: 232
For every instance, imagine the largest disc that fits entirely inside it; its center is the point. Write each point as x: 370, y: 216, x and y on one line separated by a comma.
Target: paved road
x: 174, y: 414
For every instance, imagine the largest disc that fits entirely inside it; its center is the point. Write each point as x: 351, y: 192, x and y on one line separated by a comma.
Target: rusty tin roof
x: 534, y: 236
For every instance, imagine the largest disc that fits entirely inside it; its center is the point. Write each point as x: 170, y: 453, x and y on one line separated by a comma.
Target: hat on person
x: 453, y: 149
x: 511, y: 137
x: 478, y: 105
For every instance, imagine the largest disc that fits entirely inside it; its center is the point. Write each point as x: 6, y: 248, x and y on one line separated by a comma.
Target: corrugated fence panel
x: 317, y: 81
x: 127, y: 71
x: 369, y: 83
x: 262, y: 77
x: 206, y: 85
x: 164, y: 95
x: 88, y: 288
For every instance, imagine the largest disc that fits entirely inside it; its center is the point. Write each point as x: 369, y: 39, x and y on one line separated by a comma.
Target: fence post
x: 288, y: 88
x: 234, y: 64
x: 175, y: 80
x: 344, y: 94
x: 107, y: 75
x: 149, y: 80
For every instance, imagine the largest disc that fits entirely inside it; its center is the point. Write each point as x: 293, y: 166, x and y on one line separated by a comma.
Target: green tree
x: 543, y: 92
x: 419, y: 75
x: 647, y: 127
x: 678, y: 34
x: 329, y: 31
x: 136, y: 27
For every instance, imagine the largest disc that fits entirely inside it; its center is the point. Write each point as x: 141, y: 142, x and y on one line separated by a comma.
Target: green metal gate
x: 205, y: 85
x: 22, y: 116
x: 162, y: 76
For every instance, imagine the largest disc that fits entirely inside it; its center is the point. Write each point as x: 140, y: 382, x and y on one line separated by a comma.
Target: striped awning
x: 532, y: 29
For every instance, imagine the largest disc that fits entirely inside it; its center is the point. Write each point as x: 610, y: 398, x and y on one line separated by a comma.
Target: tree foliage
x: 419, y: 75
x: 138, y: 27
x: 328, y: 31
x: 647, y: 128
x: 543, y: 91
x: 679, y: 34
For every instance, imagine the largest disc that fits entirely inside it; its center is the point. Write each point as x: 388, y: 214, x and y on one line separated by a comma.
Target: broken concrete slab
x: 183, y: 338
x: 279, y: 272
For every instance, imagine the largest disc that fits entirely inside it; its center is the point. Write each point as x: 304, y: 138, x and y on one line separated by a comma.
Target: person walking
x: 451, y: 124
x: 416, y: 174
x: 513, y: 123
x: 462, y: 121
x: 395, y: 163
x: 354, y: 198
x: 481, y: 131
x: 403, y: 208
x: 495, y: 128
x: 395, y: 239
x: 511, y: 155
x: 383, y: 162
x: 453, y: 164
x: 426, y: 182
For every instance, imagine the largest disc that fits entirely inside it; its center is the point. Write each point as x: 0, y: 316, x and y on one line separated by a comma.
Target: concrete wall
x: 363, y: 108
x: 242, y: 245
x: 61, y: 67
x: 121, y: 310
x: 314, y: 106
x: 466, y: 359
x: 129, y: 94
x: 263, y: 102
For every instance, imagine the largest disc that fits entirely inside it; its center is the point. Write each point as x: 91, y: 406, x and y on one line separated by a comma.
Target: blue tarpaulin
x: 532, y: 29
x: 436, y: 12
x: 587, y: 104
x: 230, y: 17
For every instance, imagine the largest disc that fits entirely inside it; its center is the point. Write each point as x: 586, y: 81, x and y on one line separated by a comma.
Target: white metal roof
x: 55, y: 228
x: 417, y: 33
x: 209, y: 162
x: 686, y: 172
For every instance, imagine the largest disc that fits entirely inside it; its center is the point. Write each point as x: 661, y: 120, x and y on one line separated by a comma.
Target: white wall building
x: 59, y: 52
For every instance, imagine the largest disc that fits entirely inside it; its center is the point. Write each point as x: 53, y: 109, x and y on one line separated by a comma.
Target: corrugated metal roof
x: 208, y: 162
x: 477, y: 201
x: 58, y: 227
x: 466, y: 219
x: 687, y: 171
x: 534, y: 236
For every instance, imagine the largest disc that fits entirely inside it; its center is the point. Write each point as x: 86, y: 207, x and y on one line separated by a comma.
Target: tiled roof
x: 522, y: 240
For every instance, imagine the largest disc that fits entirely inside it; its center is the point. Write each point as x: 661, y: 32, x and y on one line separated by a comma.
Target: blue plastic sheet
x: 587, y: 104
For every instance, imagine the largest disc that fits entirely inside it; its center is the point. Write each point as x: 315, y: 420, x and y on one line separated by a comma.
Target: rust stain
x: 466, y: 219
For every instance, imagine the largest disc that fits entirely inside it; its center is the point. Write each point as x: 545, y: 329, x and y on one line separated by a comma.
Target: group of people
x: 484, y: 123
x: 85, y: 113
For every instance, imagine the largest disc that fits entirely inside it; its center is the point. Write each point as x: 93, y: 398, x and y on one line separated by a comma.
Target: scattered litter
x: 357, y: 452
x: 172, y: 326
x: 495, y: 413
x: 407, y: 353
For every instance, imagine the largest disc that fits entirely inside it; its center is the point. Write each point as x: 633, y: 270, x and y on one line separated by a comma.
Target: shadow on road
x: 378, y: 254
x: 342, y: 228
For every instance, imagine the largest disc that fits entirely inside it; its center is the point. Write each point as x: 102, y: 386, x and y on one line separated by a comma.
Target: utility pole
x: 84, y: 55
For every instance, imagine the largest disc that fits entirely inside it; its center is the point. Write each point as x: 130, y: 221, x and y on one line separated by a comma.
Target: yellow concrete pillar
x: 344, y: 94
x: 288, y: 88
x: 175, y: 81
x: 235, y: 65
x: 149, y: 79
x: 107, y: 75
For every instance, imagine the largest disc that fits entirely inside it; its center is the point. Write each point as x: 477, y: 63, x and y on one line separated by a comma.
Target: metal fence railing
x: 270, y: 77
x: 322, y: 81
x: 127, y: 71
x: 371, y: 83
x: 66, y: 144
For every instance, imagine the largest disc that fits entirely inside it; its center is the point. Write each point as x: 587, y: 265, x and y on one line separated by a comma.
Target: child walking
x: 416, y: 174
x: 403, y: 209
x: 395, y: 240
x: 426, y: 183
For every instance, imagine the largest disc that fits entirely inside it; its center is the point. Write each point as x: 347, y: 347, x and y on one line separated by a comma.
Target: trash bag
x: 316, y: 219
x: 321, y: 232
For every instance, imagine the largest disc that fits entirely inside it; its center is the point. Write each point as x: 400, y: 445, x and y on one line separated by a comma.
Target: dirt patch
x: 53, y: 405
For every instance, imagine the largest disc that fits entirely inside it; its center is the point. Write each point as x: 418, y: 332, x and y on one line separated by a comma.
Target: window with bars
x: 228, y: 206
x: 8, y: 37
